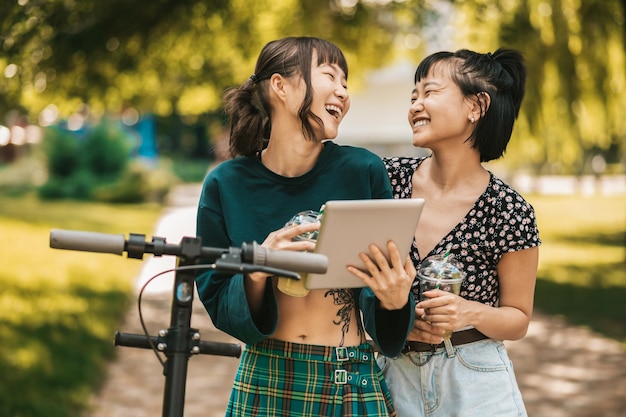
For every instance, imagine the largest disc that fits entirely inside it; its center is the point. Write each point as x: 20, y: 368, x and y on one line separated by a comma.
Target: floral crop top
x: 500, y: 221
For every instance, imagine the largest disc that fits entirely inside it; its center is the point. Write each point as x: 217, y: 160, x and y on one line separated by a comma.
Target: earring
x: 472, y: 119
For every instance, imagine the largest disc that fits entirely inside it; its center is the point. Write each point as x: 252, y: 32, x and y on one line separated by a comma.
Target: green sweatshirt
x: 243, y: 201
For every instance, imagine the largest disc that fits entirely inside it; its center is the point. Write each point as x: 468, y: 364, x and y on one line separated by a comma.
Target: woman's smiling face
x: 438, y: 111
x: 331, y: 100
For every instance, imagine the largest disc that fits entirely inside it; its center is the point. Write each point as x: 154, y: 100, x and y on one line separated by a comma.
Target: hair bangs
x: 328, y: 53
x: 428, y: 64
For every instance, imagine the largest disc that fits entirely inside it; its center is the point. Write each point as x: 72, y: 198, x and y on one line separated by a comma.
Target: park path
x: 562, y: 370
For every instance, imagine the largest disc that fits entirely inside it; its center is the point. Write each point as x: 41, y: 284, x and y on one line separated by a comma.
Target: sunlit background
x: 158, y: 69
x: 109, y: 108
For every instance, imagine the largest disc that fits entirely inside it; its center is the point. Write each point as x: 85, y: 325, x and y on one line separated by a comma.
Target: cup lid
x: 437, y: 266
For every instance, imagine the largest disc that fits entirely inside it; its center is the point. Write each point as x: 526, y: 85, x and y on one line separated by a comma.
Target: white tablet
x: 349, y: 226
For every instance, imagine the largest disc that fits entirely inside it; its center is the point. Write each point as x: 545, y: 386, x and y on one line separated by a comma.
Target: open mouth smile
x: 334, y: 111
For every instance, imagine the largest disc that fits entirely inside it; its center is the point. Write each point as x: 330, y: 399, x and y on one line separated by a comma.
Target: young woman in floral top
x: 463, y: 109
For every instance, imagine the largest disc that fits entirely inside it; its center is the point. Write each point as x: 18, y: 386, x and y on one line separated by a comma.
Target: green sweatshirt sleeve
x: 389, y: 329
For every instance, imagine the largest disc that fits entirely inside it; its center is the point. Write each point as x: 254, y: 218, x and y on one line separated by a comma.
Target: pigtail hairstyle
x: 504, y: 76
x: 247, y: 119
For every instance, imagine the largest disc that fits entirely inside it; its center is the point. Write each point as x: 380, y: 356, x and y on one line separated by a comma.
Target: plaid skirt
x: 278, y: 378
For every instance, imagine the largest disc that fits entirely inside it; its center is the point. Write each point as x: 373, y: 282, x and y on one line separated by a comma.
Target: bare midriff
x: 322, y: 317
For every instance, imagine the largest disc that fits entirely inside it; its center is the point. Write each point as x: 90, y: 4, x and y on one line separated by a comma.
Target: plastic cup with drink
x: 295, y: 287
x: 441, y: 272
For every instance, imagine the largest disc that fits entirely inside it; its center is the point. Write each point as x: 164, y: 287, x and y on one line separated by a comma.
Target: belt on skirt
x: 458, y: 338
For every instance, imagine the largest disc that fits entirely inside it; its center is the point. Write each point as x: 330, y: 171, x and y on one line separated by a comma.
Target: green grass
x: 60, y: 309
x: 582, y: 265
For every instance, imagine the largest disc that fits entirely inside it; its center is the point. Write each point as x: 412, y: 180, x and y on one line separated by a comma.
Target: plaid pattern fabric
x: 278, y: 378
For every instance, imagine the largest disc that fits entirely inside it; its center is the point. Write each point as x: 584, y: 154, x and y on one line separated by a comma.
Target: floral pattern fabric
x: 500, y: 221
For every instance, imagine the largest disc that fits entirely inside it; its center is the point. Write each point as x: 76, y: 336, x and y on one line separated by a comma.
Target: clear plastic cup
x: 305, y: 217
x: 294, y: 287
x: 440, y: 272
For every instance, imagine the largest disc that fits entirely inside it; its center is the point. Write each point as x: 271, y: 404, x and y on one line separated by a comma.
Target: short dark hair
x: 248, y: 106
x: 502, y: 75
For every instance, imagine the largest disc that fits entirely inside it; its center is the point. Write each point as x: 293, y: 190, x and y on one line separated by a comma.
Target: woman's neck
x: 452, y: 173
x: 291, y: 159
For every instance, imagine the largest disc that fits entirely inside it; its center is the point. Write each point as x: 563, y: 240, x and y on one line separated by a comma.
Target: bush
x: 106, y: 151
x: 62, y: 151
x: 99, y: 167
x: 137, y: 184
x: 78, y: 186
x: 190, y: 170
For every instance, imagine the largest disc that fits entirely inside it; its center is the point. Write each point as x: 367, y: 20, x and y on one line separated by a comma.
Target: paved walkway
x: 563, y: 371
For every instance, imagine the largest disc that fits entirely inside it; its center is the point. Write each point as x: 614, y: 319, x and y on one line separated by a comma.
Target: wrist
x: 391, y: 306
x: 257, y: 277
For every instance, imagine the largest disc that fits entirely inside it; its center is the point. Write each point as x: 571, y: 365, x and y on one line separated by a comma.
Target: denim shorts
x: 473, y: 380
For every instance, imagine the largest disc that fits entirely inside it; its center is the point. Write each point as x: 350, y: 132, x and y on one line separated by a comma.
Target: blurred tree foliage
x: 576, y: 88
x: 175, y: 57
x: 161, y: 56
